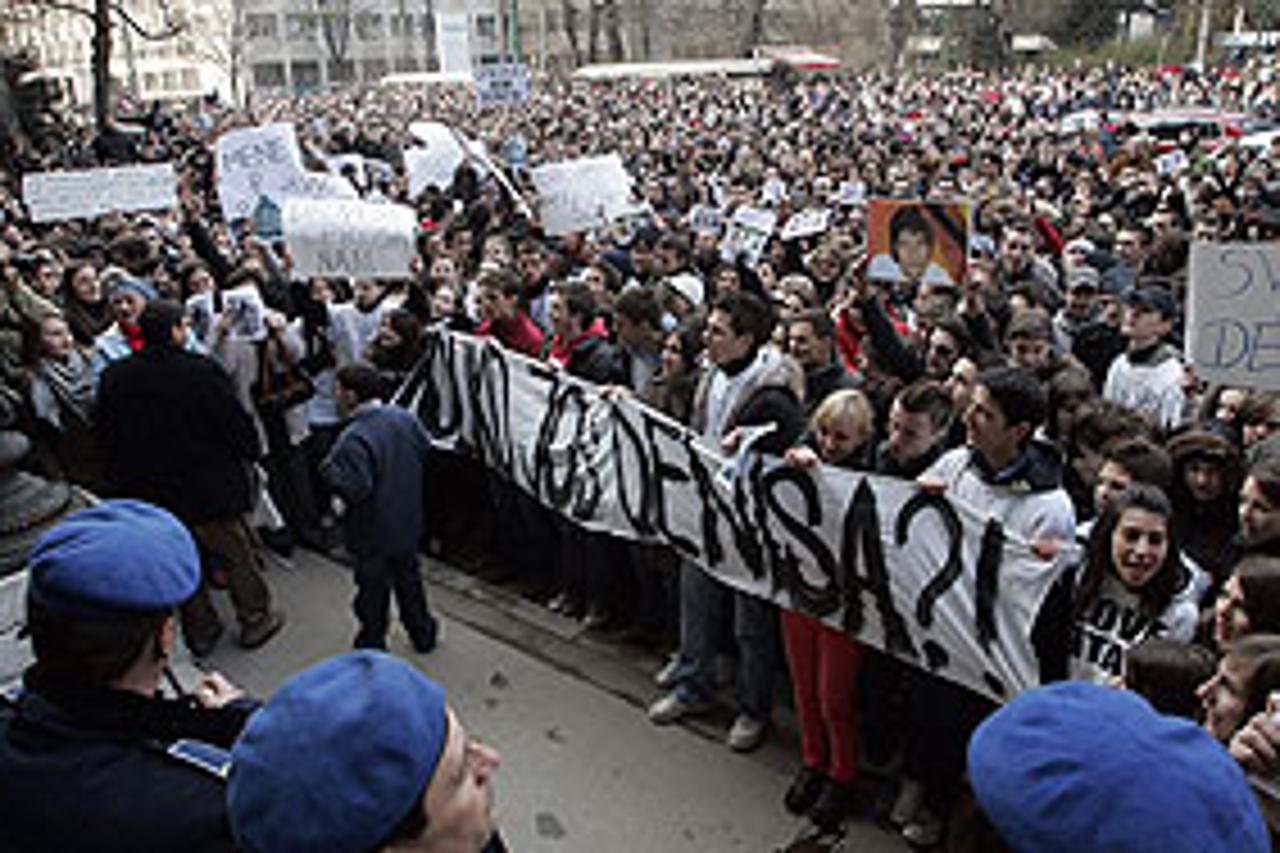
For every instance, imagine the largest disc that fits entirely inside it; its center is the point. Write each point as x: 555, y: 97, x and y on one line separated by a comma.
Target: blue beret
x: 1077, y: 766
x: 337, y: 757
x: 137, y: 285
x: 116, y: 558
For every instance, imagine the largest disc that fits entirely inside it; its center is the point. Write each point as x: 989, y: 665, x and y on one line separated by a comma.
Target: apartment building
x: 300, y: 45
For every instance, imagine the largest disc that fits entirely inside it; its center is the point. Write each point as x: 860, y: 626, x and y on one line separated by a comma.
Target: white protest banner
x: 502, y: 84
x: 1233, y: 316
x: 85, y: 194
x: 354, y: 239
x: 255, y: 162
x: 578, y: 195
x: 931, y: 580
x: 747, y: 235
x: 806, y: 223
x: 436, y: 161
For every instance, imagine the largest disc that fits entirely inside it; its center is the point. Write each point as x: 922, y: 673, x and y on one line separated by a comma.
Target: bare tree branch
x: 172, y: 28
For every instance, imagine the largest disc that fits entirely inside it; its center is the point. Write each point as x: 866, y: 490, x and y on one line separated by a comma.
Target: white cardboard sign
x: 352, y: 239
x: 85, y: 194
x: 1233, y: 315
x: 578, y: 195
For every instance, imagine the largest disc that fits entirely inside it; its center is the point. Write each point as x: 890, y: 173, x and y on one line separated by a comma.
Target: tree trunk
x: 593, y: 31
x: 613, y: 31
x: 101, y: 58
x: 754, y: 34
x: 569, y: 15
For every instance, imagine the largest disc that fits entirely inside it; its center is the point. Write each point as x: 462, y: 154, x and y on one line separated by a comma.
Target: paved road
x: 583, y: 769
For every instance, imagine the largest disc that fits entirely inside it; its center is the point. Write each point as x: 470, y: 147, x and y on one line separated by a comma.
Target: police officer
x: 360, y: 753
x: 90, y: 755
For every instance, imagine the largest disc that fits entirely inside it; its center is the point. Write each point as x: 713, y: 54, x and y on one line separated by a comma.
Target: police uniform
x: 89, y: 767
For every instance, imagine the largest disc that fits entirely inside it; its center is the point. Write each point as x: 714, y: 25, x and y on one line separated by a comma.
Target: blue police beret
x: 337, y: 757
x: 1077, y: 766
x: 115, y: 558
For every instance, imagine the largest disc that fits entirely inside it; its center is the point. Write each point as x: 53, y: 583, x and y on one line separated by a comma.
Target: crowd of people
x: 1046, y: 386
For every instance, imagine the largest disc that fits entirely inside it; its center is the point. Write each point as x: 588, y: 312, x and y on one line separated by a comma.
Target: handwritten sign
x: 59, y: 196
x: 253, y: 162
x: 1233, y: 316
x: 352, y: 239
x: 503, y: 84
x: 578, y: 195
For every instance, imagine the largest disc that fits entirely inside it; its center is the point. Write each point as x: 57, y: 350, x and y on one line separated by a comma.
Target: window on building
x: 306, y: 75
x: 190, y: 79
x: 369, y: 27
x: 268, y: 75
x: 169, y: 81
x: 150, y: 81
x: 300, y: 27
x: 487, y: 26
x: 374, y: 69
x: 407, y: 64
x: 401, y: 25
x: 427, y: 26
x: 342, y: 71
x: 261, y: 26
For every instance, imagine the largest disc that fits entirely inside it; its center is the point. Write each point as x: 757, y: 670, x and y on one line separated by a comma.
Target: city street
x: 583, y: 770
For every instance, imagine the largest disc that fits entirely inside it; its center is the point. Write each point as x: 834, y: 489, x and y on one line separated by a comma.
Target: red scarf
x: 132, y: 335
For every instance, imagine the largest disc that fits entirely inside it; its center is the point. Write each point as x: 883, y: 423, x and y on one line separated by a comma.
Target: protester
x: 172, y: 432
x: 747, y: 385
x: 1133, y: 584
x: 1168, y: 673
x: 88, y: 749
x: 1248, y: 671
x: 375, y: 467
x: 824, y: 662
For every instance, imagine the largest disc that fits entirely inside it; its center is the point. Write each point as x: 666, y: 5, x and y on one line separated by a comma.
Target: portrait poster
x: 915, y: 241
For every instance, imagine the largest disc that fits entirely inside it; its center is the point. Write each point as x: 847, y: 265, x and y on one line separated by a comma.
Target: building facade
x: 300, y: 45
x: 191, y: 64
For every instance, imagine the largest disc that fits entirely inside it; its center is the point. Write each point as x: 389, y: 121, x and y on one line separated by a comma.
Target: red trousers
x: 824, y: 666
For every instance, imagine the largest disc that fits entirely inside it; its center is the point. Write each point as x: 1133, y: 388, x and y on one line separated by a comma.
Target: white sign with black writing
x: 935, y: 582
x: 354, y: 239
x: 502, y: 84
x: 578, y: 195
x: 1172, y: 162
x: 245, y: 313
x: 253, y: 163
x: 806, y: 223
x: 88, y: 193
x: 747, y: 234
x: 705, y: 219
x: 1233, y: 316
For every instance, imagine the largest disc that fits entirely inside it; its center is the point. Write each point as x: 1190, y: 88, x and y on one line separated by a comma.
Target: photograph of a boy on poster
x: 913, y: 242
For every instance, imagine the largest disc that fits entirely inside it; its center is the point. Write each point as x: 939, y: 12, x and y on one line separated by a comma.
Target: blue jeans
x: 705, y: 603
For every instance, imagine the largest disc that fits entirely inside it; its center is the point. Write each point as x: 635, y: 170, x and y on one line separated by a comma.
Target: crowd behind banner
x: 919, y: 390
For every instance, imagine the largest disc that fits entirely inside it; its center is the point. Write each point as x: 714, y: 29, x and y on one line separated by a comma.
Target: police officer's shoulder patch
x: 206, y: 757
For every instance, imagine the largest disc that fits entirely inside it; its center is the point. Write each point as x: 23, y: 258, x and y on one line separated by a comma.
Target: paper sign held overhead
x: 352, y: 239
x: 807, y: 223
x: 503, y: 84
x: 578, y: 195
x: 85, y: 194
x: 1233, y: 315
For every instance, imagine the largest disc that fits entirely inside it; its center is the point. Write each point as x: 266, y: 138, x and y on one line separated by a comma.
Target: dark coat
x: 174, y: 433
x: 90, y: 771
x: 376, y: 467
x: 824, y: 380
